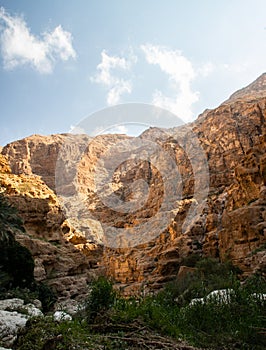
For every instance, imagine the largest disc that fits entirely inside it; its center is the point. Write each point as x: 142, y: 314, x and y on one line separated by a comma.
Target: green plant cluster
x: 101, y: 298
x: 106, y: 318
x: 238, y: 323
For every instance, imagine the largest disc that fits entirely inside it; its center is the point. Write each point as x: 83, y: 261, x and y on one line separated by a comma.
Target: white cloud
x: 180, y: 72
x: 180, y: 104
x: 172, y: 62
x: 20, y: 47
x: 206, y: 69
x: 237, y: 67
x: 121, y: 87
x: 116, y: 85
x: 121, y: 129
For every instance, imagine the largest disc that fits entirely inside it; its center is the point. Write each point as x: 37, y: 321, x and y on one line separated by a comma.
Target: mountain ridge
x: 255, y: 89
x: 232, y: 225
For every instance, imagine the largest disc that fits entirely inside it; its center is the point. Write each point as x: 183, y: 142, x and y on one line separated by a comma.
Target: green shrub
x: 191, y: 260
x: 101, y: 298
x: 183, y: 289
x: 212, y: 266
x: 46, y: 295
x: 255, y: 283
x: 236, y: 324
x: 216, y: 275
x: 21, y: 293
x: 209, y: 275
x: 45, y: 334
x: 126, y: 310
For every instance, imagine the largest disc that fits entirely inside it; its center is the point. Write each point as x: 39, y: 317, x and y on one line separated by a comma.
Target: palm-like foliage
x: 10, y: 222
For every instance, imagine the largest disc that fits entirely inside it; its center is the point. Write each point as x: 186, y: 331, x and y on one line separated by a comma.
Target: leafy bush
x: 255, y: 284
x: 101, y: 298
x: 235, y: 324
x: 209, y: 275
x: 21, y: 293
x: 191, y: 260
x: 183, y: 289
x: 239, y: 323
x: 46, y: 295
x: 216, y: 275
x: 45, y: 334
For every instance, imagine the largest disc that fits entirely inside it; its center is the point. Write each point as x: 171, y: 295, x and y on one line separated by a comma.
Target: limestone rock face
x: 230, y: 224
x: 57, y: 262
x: 244, y: 219
x: 4, y: 165
x: 35, y: 155
x: 253, y: 91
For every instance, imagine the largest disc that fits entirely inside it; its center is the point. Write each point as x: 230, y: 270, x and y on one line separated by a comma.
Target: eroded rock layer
x: 57, y: 262
x: 230, y: 225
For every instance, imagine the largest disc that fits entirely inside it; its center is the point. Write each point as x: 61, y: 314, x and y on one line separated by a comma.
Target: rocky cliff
x: 57, y: 261
x: 231, y: 223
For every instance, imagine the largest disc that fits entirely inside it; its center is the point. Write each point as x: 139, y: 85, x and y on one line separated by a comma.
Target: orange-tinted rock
x: 231, y: 225
x: 57, y: 262
x: 4, y: 165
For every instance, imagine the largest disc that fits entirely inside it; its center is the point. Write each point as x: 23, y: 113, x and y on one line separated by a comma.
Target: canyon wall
x: 230, y: 225
x: 57, y: 262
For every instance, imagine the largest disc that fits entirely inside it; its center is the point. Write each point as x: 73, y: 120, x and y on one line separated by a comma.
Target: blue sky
x: 63, y: 60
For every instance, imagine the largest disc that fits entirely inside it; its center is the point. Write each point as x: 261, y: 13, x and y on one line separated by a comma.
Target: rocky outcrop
x: 253, y: 91
x: 230, y: 224
x: 14, y: 315
x: 4, y: 165
x: 35, y: 155
x: 242, y: 237
x: 57, y: 261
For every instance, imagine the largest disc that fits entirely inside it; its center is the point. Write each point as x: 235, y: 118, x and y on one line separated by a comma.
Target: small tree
x: 101, y: 298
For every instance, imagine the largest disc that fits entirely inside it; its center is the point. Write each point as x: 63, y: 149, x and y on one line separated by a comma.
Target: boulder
x: 14, y: 315
x: 11, y: 322
x: 62, y: 316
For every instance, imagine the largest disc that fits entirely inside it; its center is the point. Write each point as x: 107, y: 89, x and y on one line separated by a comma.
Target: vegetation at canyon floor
x: 163, y: 320
x: 160, y: 321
